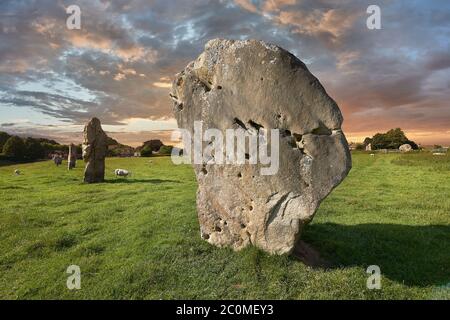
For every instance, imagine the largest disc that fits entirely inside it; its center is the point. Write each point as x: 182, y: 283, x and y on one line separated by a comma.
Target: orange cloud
x: 276, y: 5
x: 247, y: 5
x: 162, y: 84
x: 97, y: 42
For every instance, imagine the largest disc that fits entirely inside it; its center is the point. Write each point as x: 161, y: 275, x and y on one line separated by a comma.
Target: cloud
x: 438, y: 61
x: 120, y: 64
x: 162, y: 84
x: 8, y: 124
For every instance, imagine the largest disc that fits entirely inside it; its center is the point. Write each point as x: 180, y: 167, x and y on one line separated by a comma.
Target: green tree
x: 14, y: 148
x: 34, y: 149
x: 165, y: 150
x: 146, y: 151
x: 3, y: 138
x: 392, y: 139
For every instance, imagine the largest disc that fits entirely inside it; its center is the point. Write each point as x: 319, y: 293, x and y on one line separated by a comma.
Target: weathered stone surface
x: 95, y: 147
x: 253, y: 84
x: 405, y: 147
x: 72, y: 157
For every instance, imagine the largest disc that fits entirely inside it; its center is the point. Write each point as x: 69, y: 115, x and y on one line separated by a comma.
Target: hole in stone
x: 204, y: 171
x: 262, y: 78
x: 247, y: 156
x: 180, y: 106
x: 279, y: 116
x: 255, y: 125
x: 298, y: 137
x: 239, y: 175
x: 321, y: 130
x: 217, y: 229
x: 250, y: 208
x: 285, y: 132
x: 205, y: 236
x: 239, y: 123
x: 243, y: 225
x: 219, y: 87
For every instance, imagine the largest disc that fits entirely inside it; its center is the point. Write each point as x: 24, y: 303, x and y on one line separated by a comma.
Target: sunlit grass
x: 138, y: 238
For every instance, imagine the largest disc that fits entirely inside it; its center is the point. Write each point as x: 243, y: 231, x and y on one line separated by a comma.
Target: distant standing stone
x: 72, y: 158
x: 94, y: 151
x: 57, y: 159
x: 405, y: 148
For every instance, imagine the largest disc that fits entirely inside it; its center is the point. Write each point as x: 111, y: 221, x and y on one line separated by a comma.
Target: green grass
x: 138, y: 238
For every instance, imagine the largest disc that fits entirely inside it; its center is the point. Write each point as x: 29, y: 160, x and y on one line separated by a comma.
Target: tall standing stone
x: 94, y: 151
x: 72, y: 157
x: 253, y: 85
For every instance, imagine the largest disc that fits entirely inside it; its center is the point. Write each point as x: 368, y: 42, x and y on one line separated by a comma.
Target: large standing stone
x: 95, y: 148
x: 72, y: 157
x: 254, y: 85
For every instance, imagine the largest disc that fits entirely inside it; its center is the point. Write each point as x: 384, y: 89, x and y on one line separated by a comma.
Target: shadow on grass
x: 413, y: 255
x: 131, y: 180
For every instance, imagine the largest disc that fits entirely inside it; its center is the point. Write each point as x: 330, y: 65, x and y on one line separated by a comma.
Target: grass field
x: 138, y: 238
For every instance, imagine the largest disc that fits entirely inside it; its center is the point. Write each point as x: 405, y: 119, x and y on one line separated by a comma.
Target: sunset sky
x: 119, y: 65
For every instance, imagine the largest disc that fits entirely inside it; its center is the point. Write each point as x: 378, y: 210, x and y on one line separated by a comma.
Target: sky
x: 119, y: 65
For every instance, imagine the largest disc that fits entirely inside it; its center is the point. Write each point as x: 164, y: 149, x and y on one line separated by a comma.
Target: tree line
x: 15, y: 148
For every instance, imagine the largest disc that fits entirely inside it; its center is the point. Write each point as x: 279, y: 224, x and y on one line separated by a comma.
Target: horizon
x: 158, y: 136
x: 120, y: 64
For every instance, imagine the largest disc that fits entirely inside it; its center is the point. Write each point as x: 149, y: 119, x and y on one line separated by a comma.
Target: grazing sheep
x: 17, y: 172
x: 372, y: 154
x: 122, y: 172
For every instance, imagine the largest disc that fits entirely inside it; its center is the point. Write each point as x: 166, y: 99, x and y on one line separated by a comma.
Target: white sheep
x: 17, y: 172
x: 122, y: 172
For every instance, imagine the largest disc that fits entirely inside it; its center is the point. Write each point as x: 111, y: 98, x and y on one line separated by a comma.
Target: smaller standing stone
x: 405, y: 148
x: 95, y: 148
x: 72, y: 157
x: 57, y: 159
